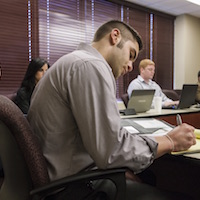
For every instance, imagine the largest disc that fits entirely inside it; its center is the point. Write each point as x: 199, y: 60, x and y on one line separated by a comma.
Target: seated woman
x: 36, y: 70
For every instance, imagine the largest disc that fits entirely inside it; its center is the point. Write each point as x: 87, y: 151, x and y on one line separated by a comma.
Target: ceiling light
x: 195, y: 1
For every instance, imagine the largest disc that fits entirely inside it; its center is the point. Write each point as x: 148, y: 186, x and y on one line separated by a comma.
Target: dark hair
x: 29, y: 78
x: 199, y: 74
x: 124, y: 28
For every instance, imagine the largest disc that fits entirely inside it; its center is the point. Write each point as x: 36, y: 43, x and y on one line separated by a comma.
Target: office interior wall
x: 186, y: 50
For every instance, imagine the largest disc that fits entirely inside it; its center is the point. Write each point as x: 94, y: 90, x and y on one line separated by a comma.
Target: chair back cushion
x: 27, y: 142
x: 125, y: 99
x: 16, y: 180
x: 172, y: 94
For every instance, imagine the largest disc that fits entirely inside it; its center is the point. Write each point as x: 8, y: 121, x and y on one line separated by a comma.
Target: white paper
x: 159, y: 132
x: 131, y: 129
x: 151, y: 123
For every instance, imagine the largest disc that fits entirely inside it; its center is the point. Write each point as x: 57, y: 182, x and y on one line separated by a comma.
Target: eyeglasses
x: 151, y: 69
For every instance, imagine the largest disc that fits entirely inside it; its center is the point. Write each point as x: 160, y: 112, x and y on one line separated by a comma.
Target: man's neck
x: 145, y: 80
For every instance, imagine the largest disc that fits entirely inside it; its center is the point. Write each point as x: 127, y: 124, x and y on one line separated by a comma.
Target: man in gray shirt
x: 75, y: 115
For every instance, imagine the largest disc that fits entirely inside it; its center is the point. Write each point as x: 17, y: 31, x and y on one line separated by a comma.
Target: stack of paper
x: 155, y: 127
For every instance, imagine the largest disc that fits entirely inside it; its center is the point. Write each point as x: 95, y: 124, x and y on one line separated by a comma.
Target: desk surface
x: 177, y: 172
x: 164, y: 112
x: 190, y: 115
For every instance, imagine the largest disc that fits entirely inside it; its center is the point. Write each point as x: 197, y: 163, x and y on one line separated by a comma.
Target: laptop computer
x: 187, y: 97
x: 141, y: 100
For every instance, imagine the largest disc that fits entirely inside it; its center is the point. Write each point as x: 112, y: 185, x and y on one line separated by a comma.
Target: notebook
x: 141, y: 100
x: 187, y: 98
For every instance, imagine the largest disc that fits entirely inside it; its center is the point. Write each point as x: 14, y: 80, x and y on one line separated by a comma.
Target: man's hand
x: 180, y: 138
x: 171, y: 103
x: 183, y: 137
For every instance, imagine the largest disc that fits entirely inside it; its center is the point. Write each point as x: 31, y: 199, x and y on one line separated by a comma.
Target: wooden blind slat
x: 13, y: 44
x: 163, y: 51
x: 59, y: 29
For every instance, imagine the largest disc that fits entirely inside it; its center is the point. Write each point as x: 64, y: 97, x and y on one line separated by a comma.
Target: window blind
x: 163, y: 46
x: 13, y: 44
x: 52, y: 28
x: 139, y: 20
x: 62, y: 26
x: 75, y: 22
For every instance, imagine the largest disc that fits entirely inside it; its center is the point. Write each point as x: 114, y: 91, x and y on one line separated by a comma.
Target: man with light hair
x: 144, y: 81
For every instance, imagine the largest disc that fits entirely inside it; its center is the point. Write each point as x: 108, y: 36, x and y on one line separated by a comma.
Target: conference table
x: 189, y: 115
x: 180, y: 173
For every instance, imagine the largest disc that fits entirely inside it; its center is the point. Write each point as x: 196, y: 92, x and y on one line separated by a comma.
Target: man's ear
x: 141, y: 70
x: 115, y: 36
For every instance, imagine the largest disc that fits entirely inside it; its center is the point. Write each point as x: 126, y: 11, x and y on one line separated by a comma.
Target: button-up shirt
x: 74, y: 113
x: 139, y: 83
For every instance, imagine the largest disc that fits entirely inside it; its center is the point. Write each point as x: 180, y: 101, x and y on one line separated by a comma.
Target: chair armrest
x: 117, y: 176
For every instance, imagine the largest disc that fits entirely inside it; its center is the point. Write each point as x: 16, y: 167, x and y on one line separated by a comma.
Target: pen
x: 179, y: 122
x: 178, y: 119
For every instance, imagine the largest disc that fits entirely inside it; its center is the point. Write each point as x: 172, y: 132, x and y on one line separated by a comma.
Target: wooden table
x: 189, y: 115
x: 180, y: 173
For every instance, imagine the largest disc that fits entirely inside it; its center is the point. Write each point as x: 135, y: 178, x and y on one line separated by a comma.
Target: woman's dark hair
x: 29, y: 78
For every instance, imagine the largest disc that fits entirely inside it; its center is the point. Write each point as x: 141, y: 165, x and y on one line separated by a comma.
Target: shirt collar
x: 89, y: 48
x: 142, y: 80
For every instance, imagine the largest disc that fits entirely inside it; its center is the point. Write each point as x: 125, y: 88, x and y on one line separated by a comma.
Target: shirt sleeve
x: 161, y: 94
x: 92, y: 87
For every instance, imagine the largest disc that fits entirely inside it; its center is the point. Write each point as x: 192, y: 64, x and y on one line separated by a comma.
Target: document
x: 147, y: 126
x: 151, y: 123
x: 131, y: 129
x: 155, y: 127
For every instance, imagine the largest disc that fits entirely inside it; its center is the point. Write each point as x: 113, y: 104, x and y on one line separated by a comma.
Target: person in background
x: 144, y: 81
x: 36, y: 70
x: 74, y: 114
x: 1, y: 168
x: 0, y: 71
x: 198, y: 89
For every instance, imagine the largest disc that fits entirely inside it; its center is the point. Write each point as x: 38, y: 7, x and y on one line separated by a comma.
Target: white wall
x: 186, y: 50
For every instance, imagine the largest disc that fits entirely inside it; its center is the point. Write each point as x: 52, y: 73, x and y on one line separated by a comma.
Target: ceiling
x: 173, y: 7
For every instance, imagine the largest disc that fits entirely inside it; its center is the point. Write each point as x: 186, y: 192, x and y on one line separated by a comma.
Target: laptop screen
x: 141, y: 100
x: 188, y: 96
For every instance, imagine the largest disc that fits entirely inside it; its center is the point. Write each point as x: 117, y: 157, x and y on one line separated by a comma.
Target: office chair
x: 172, y: 94
x: 125, y: 99
x: 25, y: 170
